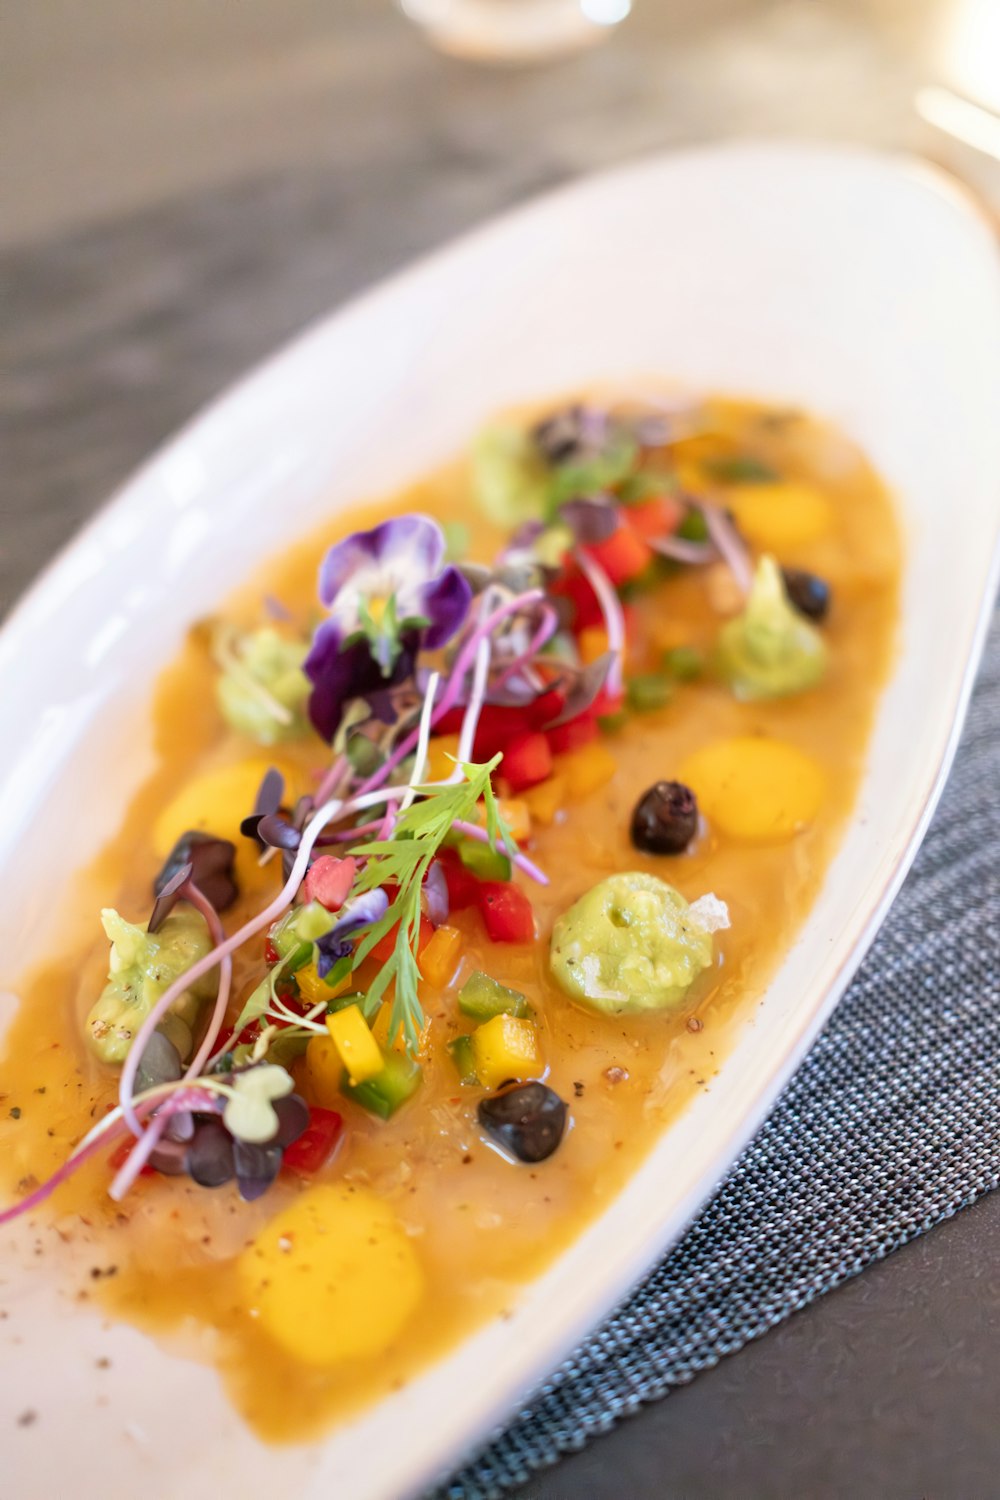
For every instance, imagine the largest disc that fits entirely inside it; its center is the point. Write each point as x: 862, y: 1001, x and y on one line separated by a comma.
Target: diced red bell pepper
x: 527, y: 760
x: 572, y: 735
x: 506, y: 912
x: 329, y: 880
x: 656, y: 517
x: 383, y: 949
x: 463, y: 886
x: 623, y: 556
x: 316, y: 1144
x: 572, y: 585
x: 271, y: 954
x: 606, y: 704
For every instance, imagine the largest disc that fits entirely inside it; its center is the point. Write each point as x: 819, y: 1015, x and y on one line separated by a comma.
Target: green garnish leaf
x: 401, y: 864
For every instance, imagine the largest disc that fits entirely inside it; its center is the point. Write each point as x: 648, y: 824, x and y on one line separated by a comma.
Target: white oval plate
x: 865, y: 287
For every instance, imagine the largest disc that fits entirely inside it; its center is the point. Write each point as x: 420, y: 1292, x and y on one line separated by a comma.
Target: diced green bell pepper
x: 383, y: 1094
x: 685, y: 663
x: 482, y: 997
x: 484, y: 862
x: 461, y: 1053
x: 648, y: 692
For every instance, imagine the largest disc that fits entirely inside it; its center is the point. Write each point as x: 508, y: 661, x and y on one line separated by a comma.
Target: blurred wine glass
x: 515, y: 30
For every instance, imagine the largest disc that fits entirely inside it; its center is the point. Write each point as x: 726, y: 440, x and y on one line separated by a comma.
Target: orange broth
x: 481, y: 1225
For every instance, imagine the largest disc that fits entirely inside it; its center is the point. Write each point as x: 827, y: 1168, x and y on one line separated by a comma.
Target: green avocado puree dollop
x: 633, y: 943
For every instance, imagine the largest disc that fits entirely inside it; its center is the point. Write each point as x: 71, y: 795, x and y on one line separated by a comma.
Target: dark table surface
x: 187, y: 187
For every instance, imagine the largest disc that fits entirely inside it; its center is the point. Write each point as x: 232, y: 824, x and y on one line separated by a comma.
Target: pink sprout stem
x: 331, y: 780
x: 263, y: 918
x: 149, y: 1139
x: 473, y: 831
x: 454, y: 684
x: 97, y: 1140
x: 611, y: 609
x: 126, y: 1088
x: 545, y: 631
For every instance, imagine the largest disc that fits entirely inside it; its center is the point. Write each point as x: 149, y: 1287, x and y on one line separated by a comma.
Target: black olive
x: 529, y: 1120
x: 809, y: 595
x: 211, y: 861
x: 665, y: 819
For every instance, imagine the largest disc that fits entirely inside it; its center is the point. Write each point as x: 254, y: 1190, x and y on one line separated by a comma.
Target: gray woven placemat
x: 891, y: 1125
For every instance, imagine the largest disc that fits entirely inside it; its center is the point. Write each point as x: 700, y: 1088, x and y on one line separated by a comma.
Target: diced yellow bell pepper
x: 547, y: 799
x: 587, y: 769
x: 592, y: 643
x: 506, y: 1047
x: 323, y: 1072
x: 352, y: 1036
x: 333, y: 1277
x: 753, y: 789
x: 440, y: 757
x: 380, y: 1027
x: 439, y: 959
x: 315, y: 990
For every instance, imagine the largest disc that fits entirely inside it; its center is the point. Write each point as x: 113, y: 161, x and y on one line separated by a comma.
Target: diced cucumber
x: 482, y: 998
x: 383, y: 1094
x: 461, y: 1054
x: 648, y: 692
x: 685, y: 663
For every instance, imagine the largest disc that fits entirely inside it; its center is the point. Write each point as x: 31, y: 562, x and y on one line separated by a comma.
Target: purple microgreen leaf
x: 591, y: 519
x: 584, y: 689
x: 210, y: 862
x: 167, y: 898
x: 293, y: 1119
x: 209, y: 1155
x: 679, y: 549
x: 275, y: 831
x: 270, y: 792
x: 256, y: 1168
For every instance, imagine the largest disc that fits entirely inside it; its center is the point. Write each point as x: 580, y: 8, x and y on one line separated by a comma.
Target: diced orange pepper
x: 592, y: 642
x: 515, y: 813
x: 440, y: 958
x: 386, y: 946
x: 440, y: 757
x: 546, y: 800
x: 587, y: 770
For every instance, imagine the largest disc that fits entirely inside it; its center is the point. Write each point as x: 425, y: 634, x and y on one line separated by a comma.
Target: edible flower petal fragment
x: 389, y: 593
x: 361, y: 911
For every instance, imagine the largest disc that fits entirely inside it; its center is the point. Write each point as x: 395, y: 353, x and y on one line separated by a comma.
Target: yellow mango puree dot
x: 333, y: 1277
x: 753, y: 789
x: 780, y: 515
x: 217, y: 802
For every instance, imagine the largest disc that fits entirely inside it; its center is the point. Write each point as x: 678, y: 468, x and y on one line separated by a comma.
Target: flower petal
x: 445, y: 603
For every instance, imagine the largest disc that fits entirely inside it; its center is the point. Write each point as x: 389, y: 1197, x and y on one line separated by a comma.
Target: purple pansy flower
x: 360, y: 911
x: 388, y: 596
